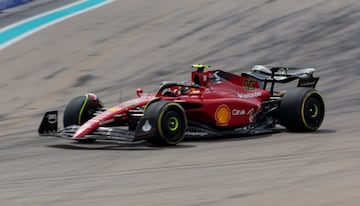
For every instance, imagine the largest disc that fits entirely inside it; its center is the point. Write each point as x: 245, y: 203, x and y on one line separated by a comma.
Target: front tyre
x: 302, y: 110
x: 170, y: 121
x: 80, y: 109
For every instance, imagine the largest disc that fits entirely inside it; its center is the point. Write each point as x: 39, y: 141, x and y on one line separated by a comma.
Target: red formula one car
x: 213, y: 103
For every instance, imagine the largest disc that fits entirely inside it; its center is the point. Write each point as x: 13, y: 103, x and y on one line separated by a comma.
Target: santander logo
x: 249, y: 95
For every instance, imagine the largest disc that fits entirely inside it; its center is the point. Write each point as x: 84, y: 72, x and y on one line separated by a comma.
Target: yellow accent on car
x: 200, y: 66
x: 82, y: 108
x: 303, y: 108
x: 173, y: 124
x: 160, y: 127
x: 222, y: 115
x: 114, y: 109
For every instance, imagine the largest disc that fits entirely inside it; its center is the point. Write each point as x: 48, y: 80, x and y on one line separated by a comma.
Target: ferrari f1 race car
x: 214, y: 103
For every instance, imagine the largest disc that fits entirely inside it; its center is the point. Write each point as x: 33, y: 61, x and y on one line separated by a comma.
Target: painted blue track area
x: 5, y: 4
x: 15, y: 32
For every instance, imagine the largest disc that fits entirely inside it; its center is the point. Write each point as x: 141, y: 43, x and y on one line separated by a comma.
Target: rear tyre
x: 79, y: 110
x: 302, y: 110
x: 170, y: 120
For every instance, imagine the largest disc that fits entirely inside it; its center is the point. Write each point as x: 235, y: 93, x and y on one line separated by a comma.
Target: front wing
x: 49, y: 127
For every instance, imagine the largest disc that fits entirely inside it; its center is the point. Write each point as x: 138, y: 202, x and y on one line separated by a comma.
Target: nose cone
x: 85, y: 129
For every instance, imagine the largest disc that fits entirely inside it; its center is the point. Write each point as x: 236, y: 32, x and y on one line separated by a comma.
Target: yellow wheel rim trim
x: 303, y: 109
x: 160, y: 127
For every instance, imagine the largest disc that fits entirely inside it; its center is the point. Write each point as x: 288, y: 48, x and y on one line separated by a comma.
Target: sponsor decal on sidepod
x: 249, y: 95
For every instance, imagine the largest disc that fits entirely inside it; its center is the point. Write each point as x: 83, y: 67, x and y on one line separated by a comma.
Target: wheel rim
x: 314, y: 110
x: 173, y: 126
x: 173, y: 123
x: 313, y: 113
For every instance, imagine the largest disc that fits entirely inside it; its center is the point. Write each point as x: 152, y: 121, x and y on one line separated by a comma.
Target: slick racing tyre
x: 170, y: 121
x: 302, y: 110
x: 80, y: 109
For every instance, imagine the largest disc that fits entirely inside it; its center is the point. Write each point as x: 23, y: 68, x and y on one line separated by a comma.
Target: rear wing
x: 274, y: 75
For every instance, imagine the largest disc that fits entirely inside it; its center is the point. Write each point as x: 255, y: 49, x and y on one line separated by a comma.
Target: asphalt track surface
x: 128, y: 44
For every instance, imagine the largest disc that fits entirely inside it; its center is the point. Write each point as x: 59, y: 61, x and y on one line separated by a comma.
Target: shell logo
x: 222, y: 115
